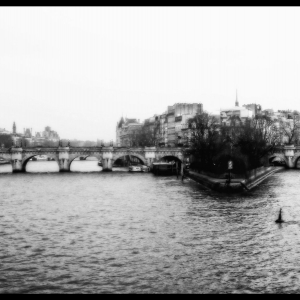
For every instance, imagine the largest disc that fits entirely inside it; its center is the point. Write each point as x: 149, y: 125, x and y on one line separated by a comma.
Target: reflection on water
x: 122, y: 232
x: 85, y: 166
x: 42, y: 166
x: 52, y: 167
x: 5, y: 168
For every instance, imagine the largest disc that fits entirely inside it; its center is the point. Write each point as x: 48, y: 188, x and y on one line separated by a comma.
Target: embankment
x: 252, y: 179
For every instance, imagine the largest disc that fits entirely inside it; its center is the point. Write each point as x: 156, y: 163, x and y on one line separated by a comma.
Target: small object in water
x: 279, y: 220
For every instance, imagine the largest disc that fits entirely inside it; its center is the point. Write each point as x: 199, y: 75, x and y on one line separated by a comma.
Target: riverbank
x: 253, y: 178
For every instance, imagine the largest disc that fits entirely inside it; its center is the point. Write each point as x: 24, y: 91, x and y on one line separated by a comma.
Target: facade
x: 238, y: 115
x: 48, y: 135
x: 227, y: 115
x: 28, y: 133
x: 126, y: 129
x: 255, y: 108
x: 177, y: 117
x: 9, y: 138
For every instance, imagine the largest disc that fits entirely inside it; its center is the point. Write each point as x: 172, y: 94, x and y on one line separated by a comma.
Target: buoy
x: 279, y: 220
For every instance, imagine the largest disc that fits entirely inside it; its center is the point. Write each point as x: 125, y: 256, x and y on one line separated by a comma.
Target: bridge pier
x: 107, y: 165
x: 150, y: 155
x: 64, y: 165
x: 289, y: 153
x: 17, y: 166
x: 16, y: 160
x: 63, y: 158
x: 107, y: 159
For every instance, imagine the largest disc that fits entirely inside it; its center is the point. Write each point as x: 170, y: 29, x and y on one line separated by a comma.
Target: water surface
x: 136, y: 233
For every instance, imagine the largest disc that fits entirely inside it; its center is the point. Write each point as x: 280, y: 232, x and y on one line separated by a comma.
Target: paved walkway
x: 215, y: 180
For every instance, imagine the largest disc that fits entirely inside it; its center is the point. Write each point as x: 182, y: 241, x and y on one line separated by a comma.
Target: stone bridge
x: 290, y: 154
x: 19, y: 157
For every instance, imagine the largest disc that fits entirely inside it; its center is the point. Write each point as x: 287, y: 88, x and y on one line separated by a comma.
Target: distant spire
x: 14, y: 128
x: 236, y: 100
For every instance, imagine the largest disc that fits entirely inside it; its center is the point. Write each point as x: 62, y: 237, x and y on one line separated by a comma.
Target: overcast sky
x: 78, y: 69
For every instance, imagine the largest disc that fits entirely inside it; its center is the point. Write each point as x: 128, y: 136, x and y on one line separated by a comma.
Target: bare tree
x: 290, y: 127
x: 146, y: 136
x: 205, y: 139
x: 257, y: 138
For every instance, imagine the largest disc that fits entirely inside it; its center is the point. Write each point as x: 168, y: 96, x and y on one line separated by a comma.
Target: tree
x: 145, y: 136
x: 205, y: 140
x: 257, y: 138
x: 245, y: 143
x: 6, y: 140
x: 290, y: 127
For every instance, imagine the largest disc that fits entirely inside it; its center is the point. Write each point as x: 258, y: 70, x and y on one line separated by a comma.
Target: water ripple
x: 130, y: 233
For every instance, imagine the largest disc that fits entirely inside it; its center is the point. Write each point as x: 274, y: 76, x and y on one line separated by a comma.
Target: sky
x: 80, y: 69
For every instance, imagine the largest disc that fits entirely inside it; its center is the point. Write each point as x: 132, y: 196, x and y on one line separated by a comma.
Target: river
x: 123, y: 232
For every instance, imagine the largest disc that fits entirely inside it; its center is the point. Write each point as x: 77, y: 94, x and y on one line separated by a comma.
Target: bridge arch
x: 168, y: 156
x: 27, y: 158
x: 120, y: 155
x: 72, y: 157
x: 277, y: 159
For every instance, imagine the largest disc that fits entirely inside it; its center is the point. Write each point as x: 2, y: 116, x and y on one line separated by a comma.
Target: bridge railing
x: 91, y: 148
x: 45, y: 148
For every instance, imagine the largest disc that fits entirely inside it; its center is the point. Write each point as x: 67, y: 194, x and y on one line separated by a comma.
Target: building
x: 27, y: 138
x: 238, y: 115
x: 9, y: 138
x: 126, y: 130
x: 177, y: 119
x: 50, y: 135
x: 3, y: 131
x: 255, y: 108
x: 28, y: 133
x: 47, y: 136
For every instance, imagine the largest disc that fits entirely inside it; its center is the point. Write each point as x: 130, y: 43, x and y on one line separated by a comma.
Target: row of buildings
x: 170, y: 129
x: 46, y: 137
x: 167, y: 129
x: 287, y: 122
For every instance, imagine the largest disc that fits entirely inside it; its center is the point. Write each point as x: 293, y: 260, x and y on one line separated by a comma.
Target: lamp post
x: 230, y: 162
